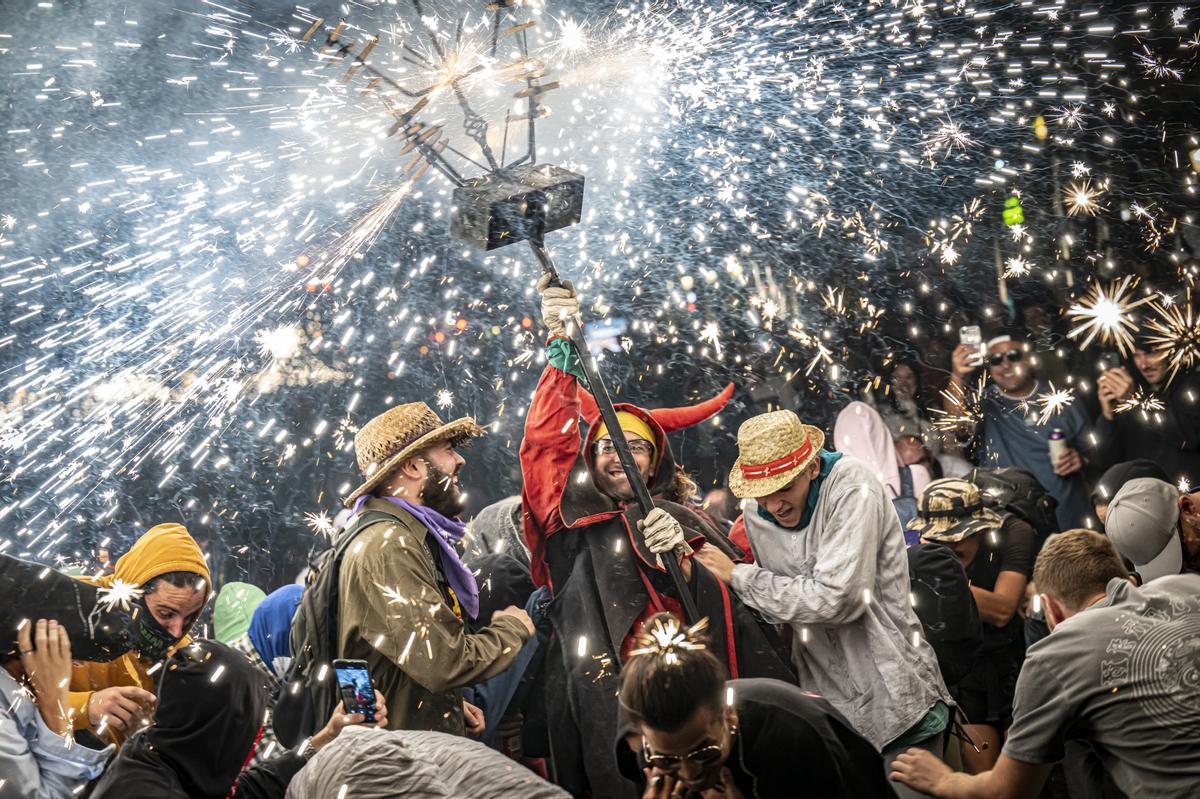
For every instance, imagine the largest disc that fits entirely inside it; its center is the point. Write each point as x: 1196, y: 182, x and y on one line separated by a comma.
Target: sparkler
x: 1053, y: 402
x: 1175, y: 333
x: 1104, y: 313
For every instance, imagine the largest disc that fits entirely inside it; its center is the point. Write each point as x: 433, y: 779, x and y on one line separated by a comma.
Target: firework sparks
x: 1140, y: 400
x: 120, y: 594
x: 280, y: 343
x: 1175, y: 333
x: 949, y: 136
x: 965, y: 409
x: 1104, y: 313
x: 1017, y: 267
x: 1053, y: 402
x: 321, y: 523
x: 295, y: 231
x: 1156, y: 66
x: 1081, y: 197
x: 668, y: 637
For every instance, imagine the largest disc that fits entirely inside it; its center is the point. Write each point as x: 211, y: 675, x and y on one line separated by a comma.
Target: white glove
x: 559, y: 305
x: 663, y: 533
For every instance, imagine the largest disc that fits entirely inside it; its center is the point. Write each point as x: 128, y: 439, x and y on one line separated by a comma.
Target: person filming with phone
x: 1168, y: 435
x: 1013, y: 430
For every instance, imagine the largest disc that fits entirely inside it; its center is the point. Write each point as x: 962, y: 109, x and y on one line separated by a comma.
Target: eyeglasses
x: 703, y: 756
x: 605, y: 446
x: 997, y: 358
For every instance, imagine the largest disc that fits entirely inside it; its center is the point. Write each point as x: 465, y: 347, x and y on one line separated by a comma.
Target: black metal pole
x: 609, y: 416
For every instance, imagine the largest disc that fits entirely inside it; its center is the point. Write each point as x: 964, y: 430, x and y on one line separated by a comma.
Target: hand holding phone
x: 355, y: 688
x: 972, y: 336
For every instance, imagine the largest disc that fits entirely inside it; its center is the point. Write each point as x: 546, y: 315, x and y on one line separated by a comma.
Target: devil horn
x: 672, y: 419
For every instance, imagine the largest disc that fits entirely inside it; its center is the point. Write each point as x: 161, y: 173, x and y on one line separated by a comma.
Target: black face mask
x: 152, y: 640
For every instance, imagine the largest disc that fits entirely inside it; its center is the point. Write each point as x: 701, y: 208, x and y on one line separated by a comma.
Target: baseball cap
x: 1120, y: 474
x: 1142, y: 523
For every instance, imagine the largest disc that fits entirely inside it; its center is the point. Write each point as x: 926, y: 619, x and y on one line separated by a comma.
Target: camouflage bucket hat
x: 950, y: 510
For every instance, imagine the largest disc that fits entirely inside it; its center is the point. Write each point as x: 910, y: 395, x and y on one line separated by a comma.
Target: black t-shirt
x: 1010, y: 549
x: 791, y: 743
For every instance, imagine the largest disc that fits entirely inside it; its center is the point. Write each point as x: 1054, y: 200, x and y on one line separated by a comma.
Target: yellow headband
x: 630, y: 424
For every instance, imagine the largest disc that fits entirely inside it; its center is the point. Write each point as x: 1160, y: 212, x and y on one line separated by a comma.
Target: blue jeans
x: 494, y: 696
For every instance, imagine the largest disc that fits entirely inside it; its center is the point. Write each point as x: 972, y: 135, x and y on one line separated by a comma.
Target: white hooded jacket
x: 842, y: 584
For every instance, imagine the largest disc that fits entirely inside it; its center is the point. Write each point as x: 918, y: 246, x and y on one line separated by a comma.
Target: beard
x: 441, y: 492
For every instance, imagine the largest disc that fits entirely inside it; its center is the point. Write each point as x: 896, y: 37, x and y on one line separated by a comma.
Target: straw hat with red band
x: 773, y: 448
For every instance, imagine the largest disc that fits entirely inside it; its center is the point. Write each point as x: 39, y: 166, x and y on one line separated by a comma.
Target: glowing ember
x: 1104, y: 313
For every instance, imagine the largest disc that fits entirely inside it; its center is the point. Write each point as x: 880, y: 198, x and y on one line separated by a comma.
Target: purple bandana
x: 446, y: 532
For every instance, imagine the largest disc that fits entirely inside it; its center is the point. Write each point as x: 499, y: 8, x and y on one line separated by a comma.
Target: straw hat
x: 772, y: 449
x: 394, y: 436
x: 950, y: 510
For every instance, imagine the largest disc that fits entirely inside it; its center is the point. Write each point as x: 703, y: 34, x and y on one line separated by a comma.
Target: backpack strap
x: 906, y: 482
x: 359, y: 523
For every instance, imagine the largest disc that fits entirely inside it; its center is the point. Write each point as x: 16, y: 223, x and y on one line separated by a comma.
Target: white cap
x: 1143, y: 525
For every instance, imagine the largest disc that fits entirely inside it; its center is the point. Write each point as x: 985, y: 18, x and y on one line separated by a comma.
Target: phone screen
x: 354, y: 684
x: 972, y: 336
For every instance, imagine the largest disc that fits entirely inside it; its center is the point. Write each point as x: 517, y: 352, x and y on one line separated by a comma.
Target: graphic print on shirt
x: 1158, y: 657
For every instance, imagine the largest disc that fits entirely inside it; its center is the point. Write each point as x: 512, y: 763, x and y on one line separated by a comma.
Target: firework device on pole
x: 516, y: 204
x: 500, y: 209
x: 514, y: 200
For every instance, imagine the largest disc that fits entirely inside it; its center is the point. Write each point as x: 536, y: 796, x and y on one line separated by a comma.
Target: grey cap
x: 1142, y: 523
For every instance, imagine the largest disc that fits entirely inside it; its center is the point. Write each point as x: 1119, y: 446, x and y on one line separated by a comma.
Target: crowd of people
x: 976, y: 595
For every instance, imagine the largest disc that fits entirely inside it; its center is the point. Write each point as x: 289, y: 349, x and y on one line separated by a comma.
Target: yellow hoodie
x: 162, y: 549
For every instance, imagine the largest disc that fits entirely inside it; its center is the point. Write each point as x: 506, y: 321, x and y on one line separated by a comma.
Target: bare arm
x: 996, y: 607
x: 1010, y: 779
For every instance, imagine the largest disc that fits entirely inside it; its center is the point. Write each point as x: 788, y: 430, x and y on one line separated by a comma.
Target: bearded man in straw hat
x: 829, y: 561
x: 406, y: 603
x: 582, y: 527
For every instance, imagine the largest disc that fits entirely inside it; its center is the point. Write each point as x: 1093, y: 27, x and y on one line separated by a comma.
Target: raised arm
x: 551, y: 441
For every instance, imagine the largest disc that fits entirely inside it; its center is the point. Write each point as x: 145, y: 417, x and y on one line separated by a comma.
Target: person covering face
x: 113, y: 699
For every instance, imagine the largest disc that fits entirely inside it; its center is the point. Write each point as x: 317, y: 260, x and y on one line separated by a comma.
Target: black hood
x: 35, y: 591
x: 211, y: 703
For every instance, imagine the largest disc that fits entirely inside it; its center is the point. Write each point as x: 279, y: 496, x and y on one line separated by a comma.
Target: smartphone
x: 354, y: 685
x: 1108, y: 360
x: 972, y: 336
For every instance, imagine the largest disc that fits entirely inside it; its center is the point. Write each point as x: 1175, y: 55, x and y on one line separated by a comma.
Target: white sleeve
x: 839, y: 588
x: 47, y: 765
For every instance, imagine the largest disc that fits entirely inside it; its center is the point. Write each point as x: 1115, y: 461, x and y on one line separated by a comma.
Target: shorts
x: 985, y: 696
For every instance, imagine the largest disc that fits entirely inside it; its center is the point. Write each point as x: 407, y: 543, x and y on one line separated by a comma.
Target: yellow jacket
x: 162, y: 549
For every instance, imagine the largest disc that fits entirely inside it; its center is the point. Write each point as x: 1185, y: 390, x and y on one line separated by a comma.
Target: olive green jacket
x: 393, y: 614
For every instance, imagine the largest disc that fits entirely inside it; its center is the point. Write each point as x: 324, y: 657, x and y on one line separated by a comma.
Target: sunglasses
x: 995, y: 359
x: 605, y: 446
x: 703, y: 756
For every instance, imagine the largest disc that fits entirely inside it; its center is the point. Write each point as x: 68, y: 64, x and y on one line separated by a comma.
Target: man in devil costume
x: 602, y: 560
